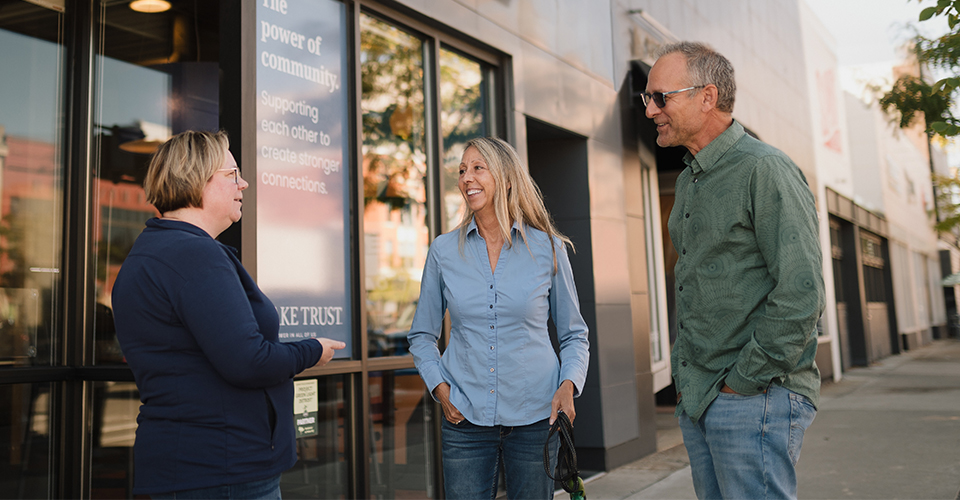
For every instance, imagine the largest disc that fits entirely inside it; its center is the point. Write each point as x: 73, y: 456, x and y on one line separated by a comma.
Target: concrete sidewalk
x: 890, y: 430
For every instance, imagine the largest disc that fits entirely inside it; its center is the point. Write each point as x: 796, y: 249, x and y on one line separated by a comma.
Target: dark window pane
x: 873, y: 285
x: 322, y: 471
x: 31, y: 180
x: 158, y: 75
x: 401, y: 462
x: 115, y: 409
x: 25, y: 438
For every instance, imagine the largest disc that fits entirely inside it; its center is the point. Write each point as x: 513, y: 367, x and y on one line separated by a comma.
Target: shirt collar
x: 472, y: 227
x: 165, y: 224
x: 708, y: 157
x: 158, y: 223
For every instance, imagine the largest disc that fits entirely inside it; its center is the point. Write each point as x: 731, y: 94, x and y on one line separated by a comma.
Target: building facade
x: 348, y: 119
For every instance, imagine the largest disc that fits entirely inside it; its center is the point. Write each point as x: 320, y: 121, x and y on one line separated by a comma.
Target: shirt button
x: 695, y: 180
x: 491, y: 287
x: 491, y: 327
x: 492, y: 348
x: 681, y: 288
x: 681, y: 326
x: 491, y: 306
x: 491, y: 391
x: 491, y: 370
x: 687, y: 215
x: 684, y: 363
x: 684, y: 251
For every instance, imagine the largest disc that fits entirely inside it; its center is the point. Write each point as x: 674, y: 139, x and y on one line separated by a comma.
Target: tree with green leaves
x: 913, y: 98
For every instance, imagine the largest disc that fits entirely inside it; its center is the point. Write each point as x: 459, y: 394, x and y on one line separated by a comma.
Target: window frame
x: 435, y: 38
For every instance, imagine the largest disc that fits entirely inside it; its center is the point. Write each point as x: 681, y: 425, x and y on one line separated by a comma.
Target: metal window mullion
x: 74, y: 412
x: 492, y: 115
x: 435, y: 205
x: 359, y: 395
x: 434, y: 140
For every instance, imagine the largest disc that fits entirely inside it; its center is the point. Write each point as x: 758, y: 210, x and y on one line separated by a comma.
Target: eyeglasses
x: 236, y: 173
x: 660, y: 98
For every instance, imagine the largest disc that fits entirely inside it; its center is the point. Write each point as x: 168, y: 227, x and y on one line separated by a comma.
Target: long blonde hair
x: 521, y: 201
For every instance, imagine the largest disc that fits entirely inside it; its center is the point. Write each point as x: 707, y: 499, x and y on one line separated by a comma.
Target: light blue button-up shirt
x: 500, y: 363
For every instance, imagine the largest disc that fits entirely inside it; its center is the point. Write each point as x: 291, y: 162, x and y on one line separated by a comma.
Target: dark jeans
x: 472, y: 455
x: 264, y: 489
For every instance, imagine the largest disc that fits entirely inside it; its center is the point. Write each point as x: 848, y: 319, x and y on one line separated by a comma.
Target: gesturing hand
x: 328, y: 347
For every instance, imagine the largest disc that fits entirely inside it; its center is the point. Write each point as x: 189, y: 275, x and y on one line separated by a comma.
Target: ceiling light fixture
x: 150, y: 6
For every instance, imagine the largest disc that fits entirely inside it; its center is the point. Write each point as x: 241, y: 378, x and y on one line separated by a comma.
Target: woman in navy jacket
x: 216, y: 385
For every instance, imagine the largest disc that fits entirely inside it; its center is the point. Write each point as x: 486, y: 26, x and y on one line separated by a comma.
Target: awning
x: 952, y: 280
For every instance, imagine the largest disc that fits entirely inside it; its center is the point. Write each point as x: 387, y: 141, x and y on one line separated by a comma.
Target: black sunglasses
x: 660, y: 98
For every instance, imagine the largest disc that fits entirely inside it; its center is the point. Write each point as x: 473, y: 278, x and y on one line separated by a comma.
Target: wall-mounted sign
x: 303, y: 253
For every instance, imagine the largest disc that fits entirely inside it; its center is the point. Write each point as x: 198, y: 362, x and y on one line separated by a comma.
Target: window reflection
x: 157, y: 75
x: 401, y: 461
x: 396, y: 235
x: 322, y: 471
x: 115, y: 409
x: 462, y: 103
x: 31, y: 180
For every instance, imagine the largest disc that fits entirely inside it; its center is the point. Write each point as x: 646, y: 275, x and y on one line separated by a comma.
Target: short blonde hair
x: 181, y: 168
x: 521, y: 202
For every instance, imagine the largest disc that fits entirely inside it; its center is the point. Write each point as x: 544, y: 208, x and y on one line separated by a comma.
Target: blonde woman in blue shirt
x: 501, y: 274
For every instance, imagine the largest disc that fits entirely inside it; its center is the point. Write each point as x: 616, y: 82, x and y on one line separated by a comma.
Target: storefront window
x: 462, y: 104
x: 26, y: 438
x: 157, y: 74
x: 322, y: 471
x: 401, y: 461
x: 31, y: 180
x: 396, y: 234
x: 115, y: 409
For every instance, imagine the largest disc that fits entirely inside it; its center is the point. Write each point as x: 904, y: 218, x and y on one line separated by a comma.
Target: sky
x: 870, y: 35
x: 871, y: 31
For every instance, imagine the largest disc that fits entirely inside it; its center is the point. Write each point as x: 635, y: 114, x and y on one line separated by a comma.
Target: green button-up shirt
x: 749, y: 284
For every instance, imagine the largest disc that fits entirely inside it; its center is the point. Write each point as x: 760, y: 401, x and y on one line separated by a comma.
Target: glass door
x: 31, y: 197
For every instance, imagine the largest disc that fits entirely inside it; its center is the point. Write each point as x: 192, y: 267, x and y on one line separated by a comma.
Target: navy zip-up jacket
x: 216, y: 385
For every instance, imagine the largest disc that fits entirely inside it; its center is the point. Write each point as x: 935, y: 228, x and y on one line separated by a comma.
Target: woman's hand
x: 328, y: 347
x: 450, y: 412
x: 563, y: 400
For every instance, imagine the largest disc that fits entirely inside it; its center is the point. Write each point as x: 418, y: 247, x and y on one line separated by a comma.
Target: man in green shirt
x: 749, y: 284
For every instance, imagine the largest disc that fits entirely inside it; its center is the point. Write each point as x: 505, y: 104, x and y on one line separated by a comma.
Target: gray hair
x: 706, y: 66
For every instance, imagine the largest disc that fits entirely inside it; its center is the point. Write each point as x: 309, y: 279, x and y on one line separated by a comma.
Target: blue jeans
x: 472, y: 455
x: 748, y: 446
x: 264, y: 489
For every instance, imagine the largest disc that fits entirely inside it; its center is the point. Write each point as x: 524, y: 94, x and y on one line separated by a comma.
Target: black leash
x: 566, y: 473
